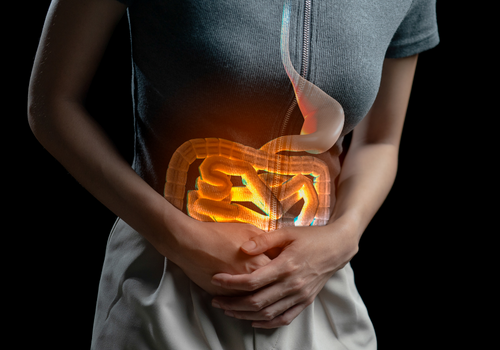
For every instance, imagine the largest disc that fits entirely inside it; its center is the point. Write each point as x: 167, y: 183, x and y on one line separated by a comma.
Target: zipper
x: 303, y: 72
x: 306, y: 38
x: 305, y: 58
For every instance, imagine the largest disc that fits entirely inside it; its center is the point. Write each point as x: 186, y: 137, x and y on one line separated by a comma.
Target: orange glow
x: 273, y: 183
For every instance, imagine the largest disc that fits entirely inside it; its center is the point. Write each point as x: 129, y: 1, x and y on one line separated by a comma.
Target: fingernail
x: 249, y: 245
x: 216, y: 304
x: 229, y: 313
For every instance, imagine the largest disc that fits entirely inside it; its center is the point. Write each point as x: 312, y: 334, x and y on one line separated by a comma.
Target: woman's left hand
x: 281, y: 290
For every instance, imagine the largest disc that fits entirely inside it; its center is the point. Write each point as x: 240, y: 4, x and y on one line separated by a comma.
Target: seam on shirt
x: 409, y: 48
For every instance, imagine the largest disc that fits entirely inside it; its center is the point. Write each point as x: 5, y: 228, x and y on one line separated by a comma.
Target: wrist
x: 338, y: 242
x: 169, y: 229
x: 350, y: 223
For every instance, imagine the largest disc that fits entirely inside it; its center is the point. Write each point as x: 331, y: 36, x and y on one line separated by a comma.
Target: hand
x: 216, y: 249
x: 282, y: 289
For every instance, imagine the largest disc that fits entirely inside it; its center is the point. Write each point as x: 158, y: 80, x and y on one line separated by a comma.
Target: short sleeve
x: 417, y: 32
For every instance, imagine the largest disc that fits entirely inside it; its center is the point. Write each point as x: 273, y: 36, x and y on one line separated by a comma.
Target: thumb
x: 264, y: 242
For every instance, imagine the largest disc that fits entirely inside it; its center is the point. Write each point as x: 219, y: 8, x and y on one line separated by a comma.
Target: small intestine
x: 272, y: 182
x: 215, y: 197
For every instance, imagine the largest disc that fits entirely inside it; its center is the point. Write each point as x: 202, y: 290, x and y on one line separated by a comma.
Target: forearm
x: 78, y: 142
x: 199, y: 249
x: 311, y: 255
x: 73, y: 40
x: 366, y: 178
x: 370, y: 165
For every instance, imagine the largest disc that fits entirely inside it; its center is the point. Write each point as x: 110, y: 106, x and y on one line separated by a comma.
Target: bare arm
x: 370, y: 166
x: 311, y: 255
x: 73, y: 40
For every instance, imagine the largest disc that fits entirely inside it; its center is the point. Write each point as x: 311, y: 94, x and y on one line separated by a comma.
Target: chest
x: 234, y: 48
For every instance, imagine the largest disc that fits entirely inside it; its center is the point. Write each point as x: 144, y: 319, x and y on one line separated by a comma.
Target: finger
x: 246, y: 282
x: 264, y: 314
x: 250, y: 303
x: 279, y: 296
x: 256, y: 262
x: 282, y: 320
x: 255, y: 280
x: 266, y: 241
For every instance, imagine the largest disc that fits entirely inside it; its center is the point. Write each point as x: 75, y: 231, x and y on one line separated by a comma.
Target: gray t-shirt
x: 213, y: 68
x: 208, y: 80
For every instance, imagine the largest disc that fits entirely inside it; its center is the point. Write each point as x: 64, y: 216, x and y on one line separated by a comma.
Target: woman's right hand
x: 208, y: 248
x: 73, y: 40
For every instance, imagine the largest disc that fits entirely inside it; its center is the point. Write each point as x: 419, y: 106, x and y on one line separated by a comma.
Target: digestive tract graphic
x: 272, y: 182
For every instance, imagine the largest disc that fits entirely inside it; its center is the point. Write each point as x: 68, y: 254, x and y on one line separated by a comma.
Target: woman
x: 238, y: 261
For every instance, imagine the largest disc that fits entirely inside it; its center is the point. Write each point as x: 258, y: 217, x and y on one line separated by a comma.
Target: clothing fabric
x: 208, y: 81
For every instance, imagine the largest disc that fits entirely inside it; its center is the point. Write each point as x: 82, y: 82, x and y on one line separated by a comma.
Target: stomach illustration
x: 238, y: 183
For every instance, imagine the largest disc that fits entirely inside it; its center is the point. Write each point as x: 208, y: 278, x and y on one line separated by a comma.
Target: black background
x: 418, y: 269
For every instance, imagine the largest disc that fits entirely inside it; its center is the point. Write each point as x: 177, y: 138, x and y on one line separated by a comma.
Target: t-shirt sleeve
x: 417, y: 32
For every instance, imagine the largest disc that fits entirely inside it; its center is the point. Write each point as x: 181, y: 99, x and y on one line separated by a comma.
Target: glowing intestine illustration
x: 215, y: 198
x: 272, y: 182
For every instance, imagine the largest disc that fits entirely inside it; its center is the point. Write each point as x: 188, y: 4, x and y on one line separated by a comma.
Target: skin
x: 269, y: 284
x: 311, y: 255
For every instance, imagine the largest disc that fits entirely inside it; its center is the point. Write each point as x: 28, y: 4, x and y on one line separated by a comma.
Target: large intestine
x: 216, y: 199
x: 271, y: 181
